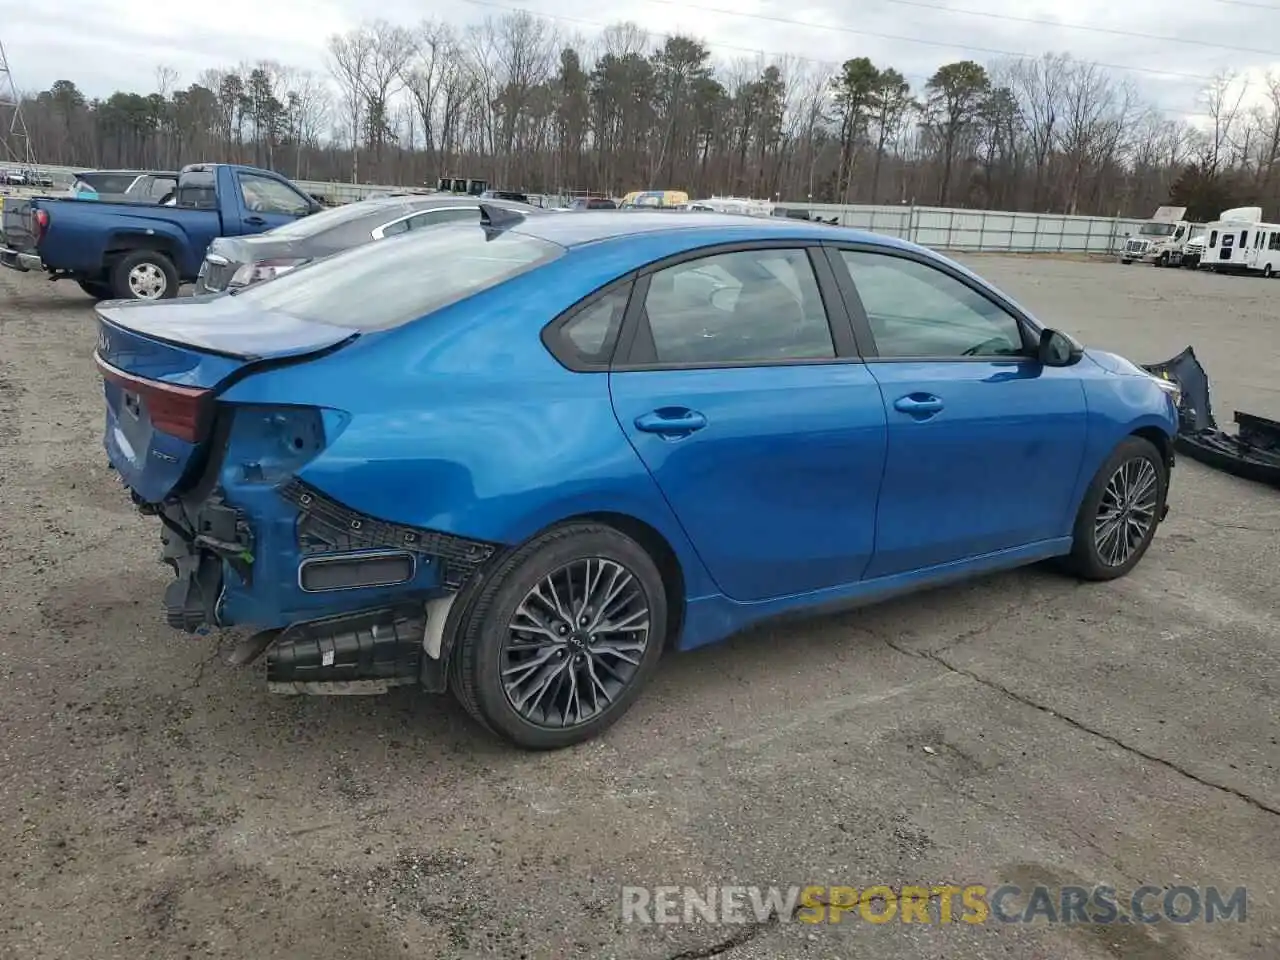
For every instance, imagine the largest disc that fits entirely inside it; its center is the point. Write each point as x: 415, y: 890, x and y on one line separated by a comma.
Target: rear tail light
x: 181, y: 412
x: 39, y: 224
x: 262, y: 270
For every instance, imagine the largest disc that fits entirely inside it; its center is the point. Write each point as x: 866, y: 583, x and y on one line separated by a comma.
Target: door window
x: 265, y: 195
x: 749, y: 306
x: 916, y: 310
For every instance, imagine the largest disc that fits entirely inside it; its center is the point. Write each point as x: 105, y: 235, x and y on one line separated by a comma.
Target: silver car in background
x: 235, y: 262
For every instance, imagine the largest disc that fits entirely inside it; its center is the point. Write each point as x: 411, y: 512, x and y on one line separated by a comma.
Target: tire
x: 1087, y: 559
x: 99, y: 291
x: 1163, y: 260
x: 151, y: 269
x: 480, y: 654
x: 1123, y: 260
x: 1267, y: 272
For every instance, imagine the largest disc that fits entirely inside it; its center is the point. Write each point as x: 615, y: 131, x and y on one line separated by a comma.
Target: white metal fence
x: 977, y: 231
x: 944, y: 228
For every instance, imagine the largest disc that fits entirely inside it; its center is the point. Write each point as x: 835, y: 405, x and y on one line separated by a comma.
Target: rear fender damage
x: 367, y: 651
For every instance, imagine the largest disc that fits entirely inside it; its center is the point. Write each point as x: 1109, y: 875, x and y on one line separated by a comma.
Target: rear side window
x: 384, y: 285
x: 585, y: 340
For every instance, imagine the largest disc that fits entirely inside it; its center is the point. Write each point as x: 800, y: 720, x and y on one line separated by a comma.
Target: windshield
x: 383, y: 285
x: 1157, y: 229
x: 335, y: 217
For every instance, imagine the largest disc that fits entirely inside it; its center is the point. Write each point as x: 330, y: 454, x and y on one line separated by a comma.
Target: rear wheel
x: 99, y: 291
x: 562, y: 638
x: 1267, y: 272
x: 1121, y: 510
x: 144, y: 275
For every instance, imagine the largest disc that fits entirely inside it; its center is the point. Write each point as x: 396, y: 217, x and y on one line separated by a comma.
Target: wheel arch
x: 674, y: 573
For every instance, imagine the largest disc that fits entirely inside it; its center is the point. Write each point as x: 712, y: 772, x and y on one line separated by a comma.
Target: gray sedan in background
x: 233, y: 262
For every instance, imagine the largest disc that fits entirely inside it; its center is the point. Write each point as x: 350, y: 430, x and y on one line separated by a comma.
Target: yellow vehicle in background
x: 645, y: 199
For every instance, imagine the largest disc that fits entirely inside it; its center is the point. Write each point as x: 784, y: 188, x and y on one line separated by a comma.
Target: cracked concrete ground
x: 158, y: 804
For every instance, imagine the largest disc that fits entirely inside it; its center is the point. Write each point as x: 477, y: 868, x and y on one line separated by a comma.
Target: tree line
x: 513, y: 101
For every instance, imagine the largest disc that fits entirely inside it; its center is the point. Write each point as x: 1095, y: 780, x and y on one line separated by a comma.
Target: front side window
x: 265, y: 195
x: 749, y: 306
x: 916, y: 310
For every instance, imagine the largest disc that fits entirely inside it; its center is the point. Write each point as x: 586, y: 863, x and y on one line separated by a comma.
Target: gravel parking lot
x: 1023, y: 729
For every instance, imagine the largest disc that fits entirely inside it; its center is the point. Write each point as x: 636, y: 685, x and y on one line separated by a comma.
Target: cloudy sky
x: 113, y: 44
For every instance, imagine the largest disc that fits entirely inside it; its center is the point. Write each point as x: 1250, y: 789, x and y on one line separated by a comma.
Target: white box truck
x: 1159, y: 241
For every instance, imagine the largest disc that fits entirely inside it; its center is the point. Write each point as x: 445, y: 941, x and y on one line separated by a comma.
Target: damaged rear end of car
x: 338, y: 601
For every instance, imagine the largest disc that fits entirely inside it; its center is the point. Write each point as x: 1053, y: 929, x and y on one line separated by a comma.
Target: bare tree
x: 1222, y: 99
x: 350, y: 58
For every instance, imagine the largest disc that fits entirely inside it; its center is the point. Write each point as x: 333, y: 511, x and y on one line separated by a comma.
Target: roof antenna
x: 499, y: 218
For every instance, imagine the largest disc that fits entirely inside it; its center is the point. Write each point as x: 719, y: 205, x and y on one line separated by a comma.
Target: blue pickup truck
x: 122, y: 250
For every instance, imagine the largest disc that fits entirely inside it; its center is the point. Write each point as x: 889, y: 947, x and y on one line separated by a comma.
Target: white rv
x: 1160, y: 240
x: 1239, y: 241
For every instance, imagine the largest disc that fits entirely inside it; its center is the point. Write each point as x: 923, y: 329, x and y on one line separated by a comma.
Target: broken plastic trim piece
x: 327, y: 526
x: 1252, y: 453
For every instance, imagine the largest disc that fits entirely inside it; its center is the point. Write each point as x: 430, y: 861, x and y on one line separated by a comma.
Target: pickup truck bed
x: 128, y: 250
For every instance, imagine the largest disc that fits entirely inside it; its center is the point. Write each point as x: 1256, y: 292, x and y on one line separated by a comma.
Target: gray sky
x: 113, y: 44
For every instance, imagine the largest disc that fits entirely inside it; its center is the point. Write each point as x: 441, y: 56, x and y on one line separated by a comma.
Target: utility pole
x: 15, y: 143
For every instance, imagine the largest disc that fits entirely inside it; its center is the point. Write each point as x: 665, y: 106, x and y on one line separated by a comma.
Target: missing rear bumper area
x: 355, y: 653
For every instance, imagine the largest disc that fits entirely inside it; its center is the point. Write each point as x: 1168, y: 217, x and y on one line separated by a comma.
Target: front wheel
x: 1121, y: 510
x: 562, y: 637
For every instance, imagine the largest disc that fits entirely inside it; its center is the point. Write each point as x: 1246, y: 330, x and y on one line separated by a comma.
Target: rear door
x: 984, y: 443
x: 737, y: 383
x: 268, y: 202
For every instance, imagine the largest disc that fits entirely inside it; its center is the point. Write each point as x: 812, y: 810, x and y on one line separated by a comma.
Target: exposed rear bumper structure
x: 210, y: 548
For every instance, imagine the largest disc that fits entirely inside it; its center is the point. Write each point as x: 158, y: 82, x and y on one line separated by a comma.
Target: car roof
x: 573, y: 228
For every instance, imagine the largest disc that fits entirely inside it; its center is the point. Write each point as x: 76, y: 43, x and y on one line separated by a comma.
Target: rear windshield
x: 319, y: 222
x: 108, y: 182
x: 383, y: 285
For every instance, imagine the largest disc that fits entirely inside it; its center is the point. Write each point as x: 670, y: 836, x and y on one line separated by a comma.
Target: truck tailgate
x: 15, y: 224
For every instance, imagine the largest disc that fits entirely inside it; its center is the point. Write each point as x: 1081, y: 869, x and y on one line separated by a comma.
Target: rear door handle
x: 918, y: 404
x: 671, y: 421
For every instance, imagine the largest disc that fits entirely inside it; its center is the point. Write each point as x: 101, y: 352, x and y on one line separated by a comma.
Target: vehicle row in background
x: 144, y: 251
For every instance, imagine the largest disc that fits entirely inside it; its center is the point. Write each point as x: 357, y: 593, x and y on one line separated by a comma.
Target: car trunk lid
x: 163, y: 367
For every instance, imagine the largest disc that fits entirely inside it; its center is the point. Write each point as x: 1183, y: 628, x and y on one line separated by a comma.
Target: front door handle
x: 254, y: 221
x: 671, y: 421
x: 918, y: 404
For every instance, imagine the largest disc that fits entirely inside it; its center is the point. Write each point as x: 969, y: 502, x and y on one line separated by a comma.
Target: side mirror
x: 1058, y: 349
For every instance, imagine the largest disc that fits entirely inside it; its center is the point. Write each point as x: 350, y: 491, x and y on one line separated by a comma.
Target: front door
x: 984, y: 443
x: 763, y: 432
x: 269, y: 202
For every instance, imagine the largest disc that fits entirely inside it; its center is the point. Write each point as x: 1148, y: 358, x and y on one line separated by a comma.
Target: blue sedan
x: 520, y: 459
